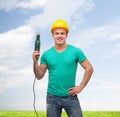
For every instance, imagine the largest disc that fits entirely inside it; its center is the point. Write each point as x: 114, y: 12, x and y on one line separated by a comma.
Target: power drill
x: 37, y: 44
x: 37, y: 48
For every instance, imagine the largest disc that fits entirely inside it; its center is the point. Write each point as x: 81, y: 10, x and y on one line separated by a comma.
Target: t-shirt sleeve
x: 80, y: 55
x: 42, y: 59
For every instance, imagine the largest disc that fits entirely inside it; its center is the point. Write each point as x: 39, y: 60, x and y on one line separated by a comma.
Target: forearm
x: 86, y: 77
x: 37, y: 71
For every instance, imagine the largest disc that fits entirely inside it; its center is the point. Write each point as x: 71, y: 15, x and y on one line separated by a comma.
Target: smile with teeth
x: 59, y: 39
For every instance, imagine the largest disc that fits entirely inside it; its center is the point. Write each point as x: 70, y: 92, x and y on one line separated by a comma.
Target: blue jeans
x: 70, y: 104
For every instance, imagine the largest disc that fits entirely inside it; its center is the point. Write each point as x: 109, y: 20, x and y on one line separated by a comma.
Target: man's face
x: 59, y: 36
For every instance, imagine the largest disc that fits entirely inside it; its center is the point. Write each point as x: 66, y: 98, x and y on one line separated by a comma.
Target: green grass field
x: 42, y: 114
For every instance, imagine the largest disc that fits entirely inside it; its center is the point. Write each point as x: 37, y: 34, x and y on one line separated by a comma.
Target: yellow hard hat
x: 59, y: 24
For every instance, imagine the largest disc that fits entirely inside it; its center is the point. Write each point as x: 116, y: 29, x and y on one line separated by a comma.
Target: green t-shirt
x: 62, y: 69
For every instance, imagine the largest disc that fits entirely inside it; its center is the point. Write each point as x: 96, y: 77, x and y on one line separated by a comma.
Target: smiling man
x: 61, y: 60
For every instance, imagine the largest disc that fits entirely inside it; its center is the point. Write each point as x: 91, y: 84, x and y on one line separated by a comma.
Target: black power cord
x: 34, y: 97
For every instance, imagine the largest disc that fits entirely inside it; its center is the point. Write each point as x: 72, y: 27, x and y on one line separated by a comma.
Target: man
x: 61, y: 61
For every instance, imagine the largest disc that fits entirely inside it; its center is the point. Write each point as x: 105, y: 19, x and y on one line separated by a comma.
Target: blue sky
x: 94, y: 27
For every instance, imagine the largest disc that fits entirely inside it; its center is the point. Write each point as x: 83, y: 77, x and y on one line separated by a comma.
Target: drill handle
x: 37, y: 44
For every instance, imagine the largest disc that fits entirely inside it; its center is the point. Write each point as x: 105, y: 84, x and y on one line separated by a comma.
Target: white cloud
x: 101, y: 105
x: 106, y: 33
x: 101, y: 95
x: 15, y: 41
x: 61, y: 10
x: 15, y: 60
x: 52, y: 9
x: 31, y: 4
x: 14, y: 78
x: 23, y: 4
x: 14, y: 51
x: 104, y: 39
x: 108, y: 86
